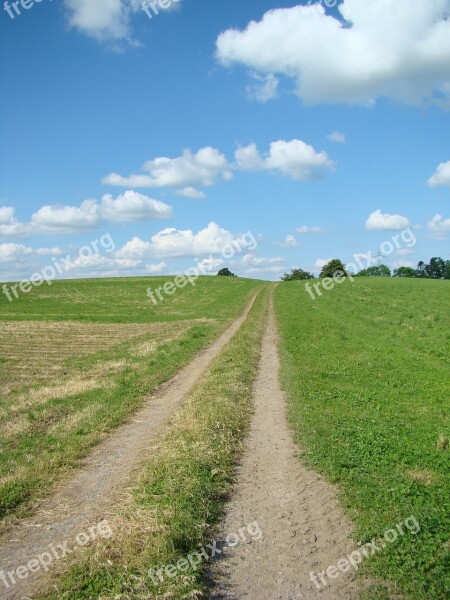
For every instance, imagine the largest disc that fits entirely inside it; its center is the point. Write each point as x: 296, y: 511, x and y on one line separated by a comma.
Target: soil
x: 304, y: 528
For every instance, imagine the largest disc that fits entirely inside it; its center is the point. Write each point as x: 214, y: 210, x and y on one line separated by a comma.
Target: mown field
x: 366, y: 368
x: 77, y: 358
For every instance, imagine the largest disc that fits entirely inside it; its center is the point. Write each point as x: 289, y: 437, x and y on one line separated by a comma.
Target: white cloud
x: 171, y: 242
x: 67, y: 219
x: 248, y: 158
x: 321, y: 262
x: 156, y: 268
x: 264, y: 89
x: 255, y: 265
x: 128, y: 207
x: 439, y: 227
x: 294, y: 158
x: 338, y: 137
x: 103, y: 20
x: 373, y: 49
x: 290, y: 242
x: 209, y: 264
x: 304, y: 229
x: 6, y: 214
x: 441, y: 175
x: 191, y: 192
x: 11, y: 252
x: 189, y: 170
x: 10, y: 226
x: 135, y: 248
x: 186, y: 173
x: 386, y: 222
x: 132, y: 206
x: 48, y: 252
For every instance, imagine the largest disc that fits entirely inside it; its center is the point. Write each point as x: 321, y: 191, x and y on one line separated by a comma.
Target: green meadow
x: 366, y: 368
x: 77, y: 358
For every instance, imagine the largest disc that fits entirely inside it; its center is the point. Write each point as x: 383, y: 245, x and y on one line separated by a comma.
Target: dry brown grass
x: 33, y: 352
x: 425, y: 476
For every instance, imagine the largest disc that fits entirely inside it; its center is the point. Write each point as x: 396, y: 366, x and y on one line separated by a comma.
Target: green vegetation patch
x: 63, y: 390
x: 366, y: 368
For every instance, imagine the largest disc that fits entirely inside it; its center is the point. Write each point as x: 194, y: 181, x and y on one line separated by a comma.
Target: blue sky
x: 323, y: 130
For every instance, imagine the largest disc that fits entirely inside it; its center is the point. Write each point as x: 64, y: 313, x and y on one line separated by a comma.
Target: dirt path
x: 303, y: 527
x: 96, y: 488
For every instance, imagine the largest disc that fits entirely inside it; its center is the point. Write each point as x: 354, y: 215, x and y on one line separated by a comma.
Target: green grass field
x: 77, y: 358
x: 366, y: 368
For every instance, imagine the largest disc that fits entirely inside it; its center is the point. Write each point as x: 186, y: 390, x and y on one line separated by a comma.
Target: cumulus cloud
x: 154, y: 269
x: 386, y: 222
x: 321, y: 262
x: 132, y: 206
x: 441, y: 175
x: 65, y: 219
x: 370, y: 50
x: 103, y: 20
x: 13, y: 252
x: 338, y: 137
x: 304, y: 229
x: 172, y: 243
x: 10, y: 226
x: 17, y: 253
x: 295, y: 159
x: 203, y: 168
x: 186, y: 173
x: 6, y: 214
x: 439, y: 227
x: 264, y: 88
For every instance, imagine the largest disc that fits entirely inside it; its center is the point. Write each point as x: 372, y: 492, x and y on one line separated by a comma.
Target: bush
x: 297, y: 275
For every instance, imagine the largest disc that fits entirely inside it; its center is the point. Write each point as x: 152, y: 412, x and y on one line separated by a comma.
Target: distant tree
x: 334, y: 266
x: 225, y: 273
x: 297, y: 275
x: 447, y: 270
x: 405, y: 272
x: 436, y: 268
x: 422, y: 270
x: 378, y: 271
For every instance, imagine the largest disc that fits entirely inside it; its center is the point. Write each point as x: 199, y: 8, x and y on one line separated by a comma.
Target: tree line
x: 437, y: 268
